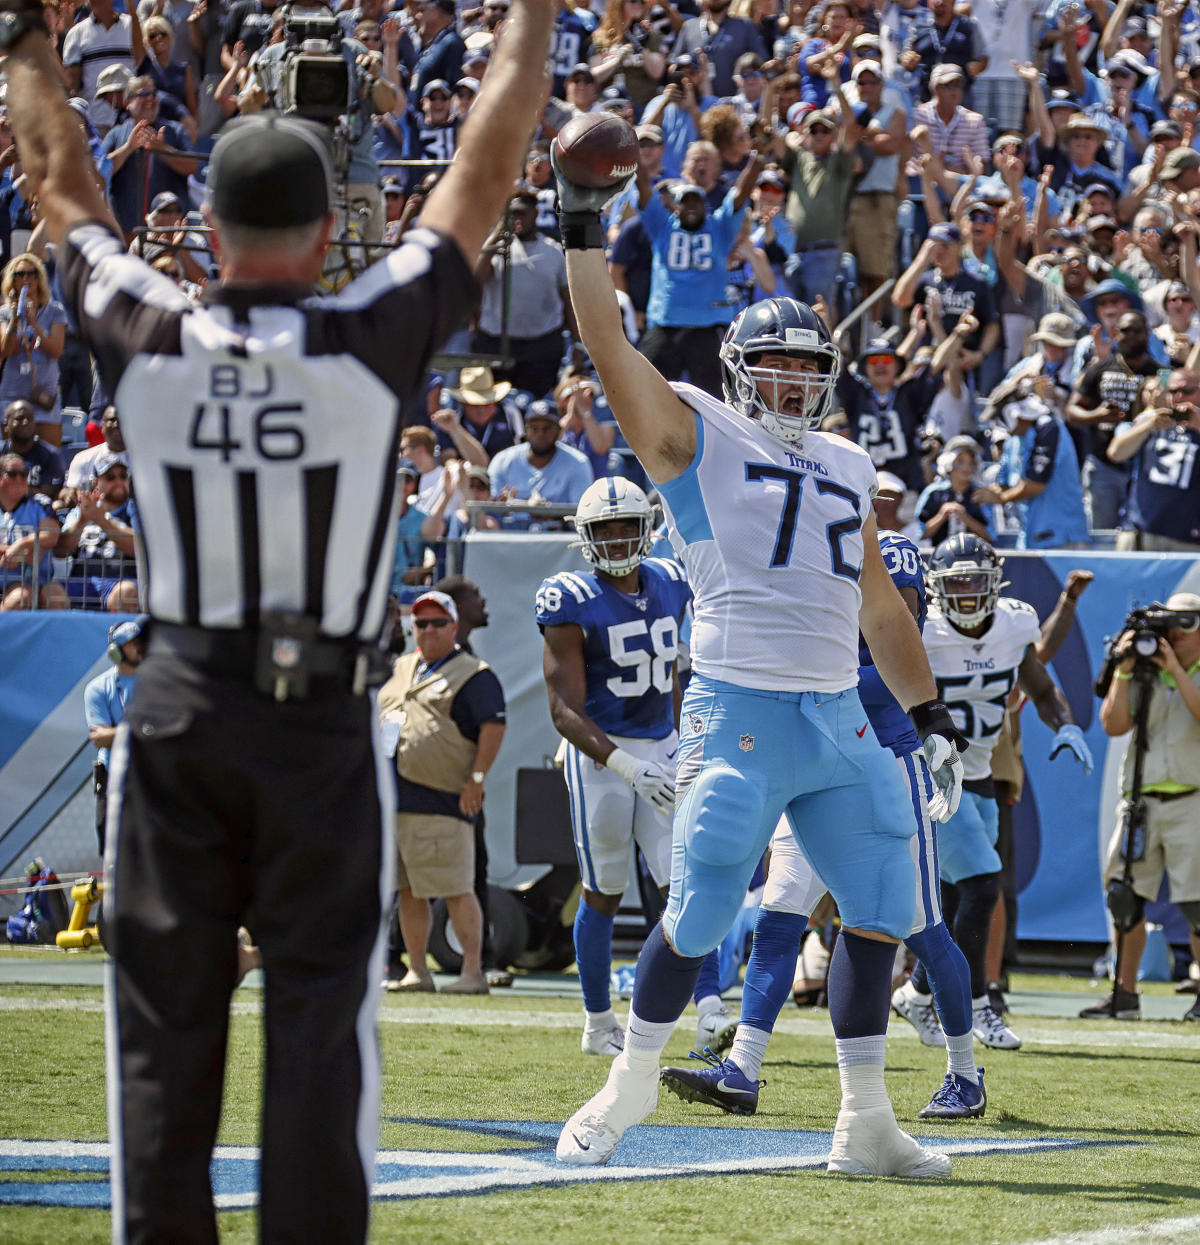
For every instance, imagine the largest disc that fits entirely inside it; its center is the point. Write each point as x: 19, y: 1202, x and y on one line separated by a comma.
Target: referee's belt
x: 1164, y: 796
x: 802, y: 247
x: 332, y: 665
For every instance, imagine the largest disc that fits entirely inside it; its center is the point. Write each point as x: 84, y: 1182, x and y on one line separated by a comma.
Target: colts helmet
x: 780, y: 326
x: 964, y: 579
x: 614, y: 497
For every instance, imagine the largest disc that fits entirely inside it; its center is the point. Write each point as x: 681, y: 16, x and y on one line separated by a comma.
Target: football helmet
x: 787, y: 404
x: 614, y: 497
x: 964, y: 579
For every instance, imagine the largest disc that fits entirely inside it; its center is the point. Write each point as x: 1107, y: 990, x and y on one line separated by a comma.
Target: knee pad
x: 1191, y: 914
x: 723, y: 812
x: 1125, y: 904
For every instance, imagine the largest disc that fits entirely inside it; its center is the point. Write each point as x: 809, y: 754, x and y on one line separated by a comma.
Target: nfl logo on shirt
x: 746, y: 743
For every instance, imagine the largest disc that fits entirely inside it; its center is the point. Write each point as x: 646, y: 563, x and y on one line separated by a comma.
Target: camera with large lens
x: 314, y: 79
x: 1152, y: 622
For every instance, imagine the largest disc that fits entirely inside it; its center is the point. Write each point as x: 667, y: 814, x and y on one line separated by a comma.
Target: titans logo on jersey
x: 630, y: 642
x: 892, y: 726
x: 976, y: 673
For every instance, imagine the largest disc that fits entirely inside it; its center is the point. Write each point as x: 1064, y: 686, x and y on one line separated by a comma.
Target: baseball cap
x: 772, y: 177
x: 1057, y: 329
x: 945, y: 233
x: 946, y: 73
x: 865, y: 40
x: 391, y: 186
x: 1179, y: 161
x: 1165, y: 129
x: 1183, y: 601
x: 612, y: 94
x: 1099, y: 188
x: 131, y: 628
x: 818, y: 116
x: 441, y: 600
x: 650, y: 134
x: 978, y: 207
x: 888, y: 482
x: 582, y: 70
x: 863, y: 67
x: 436, y: 84
x: 270, y: 172
x: 541, y: 409
x: 408, y: 469
x: 1060, y: 97
x: 470, y: 84
x: 880, y: 346
x: 104, y: 463
x: 1129, y: 60
x: 1102, y: 221
x: 1178, y: 289
x: 683, y: 189
x: 479, y: 473
x: 797, y: 111
x: 165, y: 201
x: 1081, y: 121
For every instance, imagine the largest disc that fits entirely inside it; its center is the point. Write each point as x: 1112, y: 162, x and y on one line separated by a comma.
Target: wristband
x: 620, y: 762
x: 1122, y: 676
x: 929, y: 716
x: 581, y: 231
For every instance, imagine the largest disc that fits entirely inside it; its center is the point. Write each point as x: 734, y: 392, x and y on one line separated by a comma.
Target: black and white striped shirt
x: 263, y: 426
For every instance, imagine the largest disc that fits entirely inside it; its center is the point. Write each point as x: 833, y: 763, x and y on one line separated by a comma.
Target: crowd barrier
x: 1062, y: 823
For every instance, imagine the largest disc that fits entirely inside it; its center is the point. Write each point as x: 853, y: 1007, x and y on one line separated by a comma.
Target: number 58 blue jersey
x: 892, y: 726
x: 630, y: 642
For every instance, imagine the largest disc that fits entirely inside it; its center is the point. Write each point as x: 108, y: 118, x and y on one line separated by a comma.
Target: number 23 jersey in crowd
x: 630, y: 643
x: 975, y: 674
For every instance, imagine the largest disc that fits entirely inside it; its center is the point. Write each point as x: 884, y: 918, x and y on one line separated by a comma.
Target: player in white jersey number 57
x: 772, y: 521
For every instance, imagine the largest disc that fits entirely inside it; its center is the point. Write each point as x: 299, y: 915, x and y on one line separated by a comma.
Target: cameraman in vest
x: 445, y: 709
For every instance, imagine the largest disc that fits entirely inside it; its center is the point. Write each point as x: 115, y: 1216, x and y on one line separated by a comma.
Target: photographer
x: 1162, y: 507
x: 1171, y: 797
x: 369, y: 92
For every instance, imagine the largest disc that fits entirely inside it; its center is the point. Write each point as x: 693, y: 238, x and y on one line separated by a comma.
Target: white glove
x: 649, y: 780
x: 1071, y: 738
x: 946, y: 769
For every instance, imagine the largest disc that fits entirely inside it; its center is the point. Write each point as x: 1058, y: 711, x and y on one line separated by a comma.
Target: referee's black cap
x: 271, y: 172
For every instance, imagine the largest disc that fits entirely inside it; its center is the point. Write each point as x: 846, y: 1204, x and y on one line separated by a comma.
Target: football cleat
x: 871, y: 1143
x: 722, y: 1083
x: 609, y: 1040
x: 922, y: 1015
x: 590, y: 1136
x: 716, y: 1031
x: 989, y: 1028
x: 956, y: 1099
x: 1129, y: 1007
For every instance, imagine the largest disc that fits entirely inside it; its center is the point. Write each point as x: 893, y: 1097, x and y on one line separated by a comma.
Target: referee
x: 247, y: 784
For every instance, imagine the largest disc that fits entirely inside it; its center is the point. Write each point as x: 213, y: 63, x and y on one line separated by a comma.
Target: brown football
x: 596, y: 149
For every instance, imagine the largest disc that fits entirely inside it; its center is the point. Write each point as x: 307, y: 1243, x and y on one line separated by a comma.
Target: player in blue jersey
x: 793, y: 889
x: 611, y: 639
x: 570, y: 44
x: 772, y: 521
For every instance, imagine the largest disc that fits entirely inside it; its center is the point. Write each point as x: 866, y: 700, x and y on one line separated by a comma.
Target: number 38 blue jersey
x: 892, y: 726
x: 630, y: 642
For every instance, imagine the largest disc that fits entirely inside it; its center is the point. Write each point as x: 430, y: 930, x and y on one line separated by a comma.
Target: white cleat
x: 608, y: 1041
x: 871, y: 1143
x: 590, y: 1136
x: 989, y: 1028
x: 716, y: 1031
x: 919, y: 1013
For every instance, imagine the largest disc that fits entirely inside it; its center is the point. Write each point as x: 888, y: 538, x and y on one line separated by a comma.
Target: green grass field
x: 1129, y: 1089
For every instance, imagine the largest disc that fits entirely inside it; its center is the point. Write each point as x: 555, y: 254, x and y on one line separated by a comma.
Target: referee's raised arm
x: 54, y: 150
x: 467, y: 202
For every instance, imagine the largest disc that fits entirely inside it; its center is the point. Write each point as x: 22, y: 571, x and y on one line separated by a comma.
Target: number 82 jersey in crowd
x: 630, y: 643
x: 976, y: 673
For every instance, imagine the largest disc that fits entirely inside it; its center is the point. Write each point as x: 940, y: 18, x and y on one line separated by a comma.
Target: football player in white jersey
x: 980, y: 644
x: 611, y: 641
x: 772, y: 521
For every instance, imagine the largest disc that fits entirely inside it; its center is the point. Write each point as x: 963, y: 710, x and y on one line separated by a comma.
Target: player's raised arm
x: 467, y: 202
x: 660, y: 429
x: 54, y: 152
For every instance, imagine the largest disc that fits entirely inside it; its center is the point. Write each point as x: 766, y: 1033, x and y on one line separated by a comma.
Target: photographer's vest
x: 432, y: 751
x: 1173, y: 743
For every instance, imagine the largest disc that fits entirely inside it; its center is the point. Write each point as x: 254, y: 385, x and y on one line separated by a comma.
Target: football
x: 595, y: 150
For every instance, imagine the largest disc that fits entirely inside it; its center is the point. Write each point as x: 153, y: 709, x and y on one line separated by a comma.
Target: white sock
x: 708, y: 1004
x: 960, y: 1056
x: 644, y: 1042
x: 860, y: 1070
x: 749, y: 1048
x: 599, y: 1020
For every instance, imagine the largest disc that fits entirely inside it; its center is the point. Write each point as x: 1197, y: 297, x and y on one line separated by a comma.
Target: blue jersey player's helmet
x: 788, y: 404
x: 964, y: 579
x: 614, y: 497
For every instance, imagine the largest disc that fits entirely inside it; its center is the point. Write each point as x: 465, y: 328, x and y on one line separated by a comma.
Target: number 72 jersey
x: 630, y: 643
x: 975, y: 674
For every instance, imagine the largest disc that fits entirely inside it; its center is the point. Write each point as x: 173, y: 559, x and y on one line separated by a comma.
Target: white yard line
x: 1169, y: 1231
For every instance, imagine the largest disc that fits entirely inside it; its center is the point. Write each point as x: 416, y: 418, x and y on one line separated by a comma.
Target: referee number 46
x: 236, y: 417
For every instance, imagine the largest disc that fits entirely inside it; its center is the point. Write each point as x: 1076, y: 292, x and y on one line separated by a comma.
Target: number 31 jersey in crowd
x: 975, y: 674
x: 630, y: 642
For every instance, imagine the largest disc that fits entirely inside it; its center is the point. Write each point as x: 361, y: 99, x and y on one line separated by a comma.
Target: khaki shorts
x: 435, y: 856
x: 1172, y: 844
x: 871, y: 233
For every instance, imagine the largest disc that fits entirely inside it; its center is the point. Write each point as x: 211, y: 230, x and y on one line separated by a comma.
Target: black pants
x: 694, y: 351
x: 536, y: 363
x: 237, y: 810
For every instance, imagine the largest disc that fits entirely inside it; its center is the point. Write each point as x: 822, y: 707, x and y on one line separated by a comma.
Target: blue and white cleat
x: 722, y: 1083
x: 956, y: 1099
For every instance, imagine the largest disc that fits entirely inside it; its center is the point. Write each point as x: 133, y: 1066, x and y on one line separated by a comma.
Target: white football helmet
x: 614, y: 497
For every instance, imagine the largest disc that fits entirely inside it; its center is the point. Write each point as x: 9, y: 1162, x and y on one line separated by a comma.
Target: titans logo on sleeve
x: 630, y: 642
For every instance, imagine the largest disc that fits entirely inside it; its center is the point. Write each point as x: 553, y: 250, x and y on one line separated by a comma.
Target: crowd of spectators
x: 1000, y: 197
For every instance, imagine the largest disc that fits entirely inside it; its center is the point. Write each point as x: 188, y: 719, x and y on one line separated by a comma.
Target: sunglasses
x: 878, y: 358
x: 158, y: 34
x: 25, y: 274
x: 1180, y: 298
x: 15, y: 475
x: 144, y: 94
x: 421, y: 623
